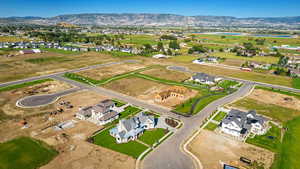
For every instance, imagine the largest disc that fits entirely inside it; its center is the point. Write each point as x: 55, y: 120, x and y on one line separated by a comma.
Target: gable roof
x: 203, y: 77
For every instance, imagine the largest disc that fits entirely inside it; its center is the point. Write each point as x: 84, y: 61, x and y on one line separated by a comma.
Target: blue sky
x: 237, y: 8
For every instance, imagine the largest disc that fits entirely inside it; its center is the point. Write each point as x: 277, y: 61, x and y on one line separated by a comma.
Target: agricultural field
x: 139, y: 40
x: 12, y: 39
x: 260, y: 59
x: 25, y: 153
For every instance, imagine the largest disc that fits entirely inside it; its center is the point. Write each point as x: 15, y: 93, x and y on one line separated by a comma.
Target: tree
x: 197, y: 48
x: 169, y: 52
x: 160, y: 46
x: 174, y: 45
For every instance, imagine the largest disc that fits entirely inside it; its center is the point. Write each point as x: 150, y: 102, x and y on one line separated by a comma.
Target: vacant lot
x: 233, y: 62
x: 262, y: 59
x: 23, y: 66
x: 218, y: 148
x: 164, y: 73
x: 103, y: 73
x: 25, y: 153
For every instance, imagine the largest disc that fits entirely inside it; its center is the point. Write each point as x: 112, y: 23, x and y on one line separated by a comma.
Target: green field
x: 296, y: 83
x: 25, y: 153
x: 152, y: 136
x: 132, y: 148
x: 288, y: 158
x: 261, y: 59
x: 271, y: 140
x: 220, y: 116
x: 211, y: 126
x: 21, y: 85
x: 82, y: 79
x: 47, y: 60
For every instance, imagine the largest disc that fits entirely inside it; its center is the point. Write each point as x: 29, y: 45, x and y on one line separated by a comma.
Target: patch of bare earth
x: 106, y: 72
x: 269, y: 97
x: 164, y: 73
x: 212, y: 149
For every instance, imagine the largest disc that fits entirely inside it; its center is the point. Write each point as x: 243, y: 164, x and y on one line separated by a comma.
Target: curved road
x: 169, y: 155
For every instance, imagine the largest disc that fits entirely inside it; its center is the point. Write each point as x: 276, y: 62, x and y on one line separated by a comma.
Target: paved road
x: 168, y: 155
x: 61, y: 73
x: 41, y: 100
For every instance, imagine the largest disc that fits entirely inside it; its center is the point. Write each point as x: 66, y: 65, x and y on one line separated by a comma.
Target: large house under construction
x: 175, y: 91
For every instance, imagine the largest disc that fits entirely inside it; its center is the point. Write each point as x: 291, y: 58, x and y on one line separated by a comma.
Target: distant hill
x: 143, y: 19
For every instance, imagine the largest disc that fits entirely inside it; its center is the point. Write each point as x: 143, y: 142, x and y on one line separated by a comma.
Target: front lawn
x: 270, y: 140
x: 25, y: 153
x: 129, y: 111
x: 225, y: 84
x: 296, y: 83
x: 211, y: 126
x: 118, y: 103
x: 152, y: 136
x: 132, y: 148
x: 220, y: 116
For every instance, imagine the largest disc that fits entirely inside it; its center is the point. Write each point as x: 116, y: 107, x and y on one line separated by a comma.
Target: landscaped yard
x: 220, y: 116
x: 211, y: 126
x: 152, y: 136
x: 132, y: 148
x: 119, y: 103
x: 225, y: 84
x: 271, y: 140
x: 129, y: 111
x: 25, y: 153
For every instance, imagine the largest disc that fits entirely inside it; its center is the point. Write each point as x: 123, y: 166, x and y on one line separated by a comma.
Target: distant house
x: 205, y: 79
x: 159, y: 56
x: 32, y: 51
x: 256, y: 65
x: 239, y: 123
x: 295, y: 72
x: 101, y: 113
x: 130, y: 129
x: 209, y: 59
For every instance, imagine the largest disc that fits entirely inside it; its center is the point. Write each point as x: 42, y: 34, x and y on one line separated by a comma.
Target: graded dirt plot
x: 84, y: 155
x: 164, y: 73
x: 212, y: 149
x: 269, y: 97
x: 133, y: 86
x: 109, y: 71
x: 9, y: 98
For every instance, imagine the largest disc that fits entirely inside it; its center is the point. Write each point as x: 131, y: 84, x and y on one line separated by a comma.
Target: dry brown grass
x: 164, y: 73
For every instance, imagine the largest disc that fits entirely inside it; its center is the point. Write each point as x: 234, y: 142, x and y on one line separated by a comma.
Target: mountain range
x: 146, y: 19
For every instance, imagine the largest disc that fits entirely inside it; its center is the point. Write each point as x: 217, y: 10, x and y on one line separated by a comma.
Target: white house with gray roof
x: 101, y: 113
x: 130, y: 129
x: 204, y: 78
x: 239, y: 123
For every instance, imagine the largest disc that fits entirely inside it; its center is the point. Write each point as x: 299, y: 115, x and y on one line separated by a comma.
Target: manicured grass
x: 220, y: 116
x: 273, y: 111
x: 21, y: 85
x: 129, y: 111
x: 296, y: 83
x: 288, y: 158
x: 25, y: 153
x: 152, y: 136
x: 225, y: 84
x: 211, y: 126
x: 271, y: 140
x: 152, y: 114
x: 132, y: 148
x: 206, y: 101
x: 47, y: 60
x: 118, y: 103
x: 185, y: 108
x: 82, y: 79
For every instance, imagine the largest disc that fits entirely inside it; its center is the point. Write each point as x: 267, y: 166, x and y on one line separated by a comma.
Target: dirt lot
x: 212, y: 149
x: 8, y: 99
x: 103, y: 73
x: 269, y: 97
x: 233, y: 62
x: 88, y: 156
x: 164, y: 73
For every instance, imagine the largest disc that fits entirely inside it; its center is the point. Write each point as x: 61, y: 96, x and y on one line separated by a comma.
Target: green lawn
x: 129, y: 111
x: 270, y: 140
x: 152, y: 136
x: 225, y: 84
x: 25, y: 153
x: 296, y: 83
x: 288, y: 158
x: 220, y: 116
x: 118, y: 103
x: 132, y: 148
x: 262, y: 59
x: 21, y: 85
x: 273, y: 111
x: 47, y: 60
x: 211, y: 126
x: 82, y: 79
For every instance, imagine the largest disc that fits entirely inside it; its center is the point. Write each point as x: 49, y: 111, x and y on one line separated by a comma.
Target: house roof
x: 109, y: 115
x: 203, y: 77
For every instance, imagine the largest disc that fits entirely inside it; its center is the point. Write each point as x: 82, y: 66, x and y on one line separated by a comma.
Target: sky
x: 237, y: 8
